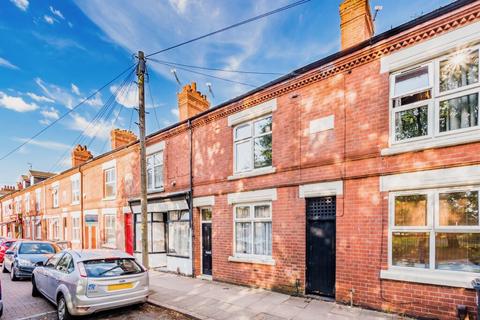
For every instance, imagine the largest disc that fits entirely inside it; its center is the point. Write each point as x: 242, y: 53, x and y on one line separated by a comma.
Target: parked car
x: 81, y: 282
x: 5, y: 244
x: 20, y: 259
x: 1, y: 300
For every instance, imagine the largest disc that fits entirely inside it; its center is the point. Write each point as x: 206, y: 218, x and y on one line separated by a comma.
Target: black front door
x: 207, y: 248
x: 321, y: 246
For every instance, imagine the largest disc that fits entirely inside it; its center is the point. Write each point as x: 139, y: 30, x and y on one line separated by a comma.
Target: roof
x: 40, y: 174
x: 94, y: 254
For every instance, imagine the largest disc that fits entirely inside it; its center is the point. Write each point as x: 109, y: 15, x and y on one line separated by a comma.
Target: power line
x: 266, y: 14
x: 217, y: 69
x: 64, y: 115
x: 208, y: 75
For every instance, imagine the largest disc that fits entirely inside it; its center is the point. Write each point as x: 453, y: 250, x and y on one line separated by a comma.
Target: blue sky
x: 55, y: 53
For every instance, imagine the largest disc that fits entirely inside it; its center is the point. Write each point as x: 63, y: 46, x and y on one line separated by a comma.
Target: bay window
x: 253, y: 229
x: 435, y: 99
x: 253, y: 145
x: 437, y: 229
x: 179, y: 233
x: 155, y: 171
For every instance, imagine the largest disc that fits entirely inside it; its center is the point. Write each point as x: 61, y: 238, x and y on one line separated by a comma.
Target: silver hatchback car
x: 81, y: 282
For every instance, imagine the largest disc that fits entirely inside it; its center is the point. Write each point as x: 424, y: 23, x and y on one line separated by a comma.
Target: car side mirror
x: 39, y: 264
x: 9, y: 252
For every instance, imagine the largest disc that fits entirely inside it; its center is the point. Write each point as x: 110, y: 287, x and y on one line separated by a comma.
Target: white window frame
x: 105, y: 183
x: 55, y: 197
x: 433, y: 103
x: 109, y: 223
x: 18, y: 205
x: 432, y: 226
x: 54, y: 228
x: 76, y: 228
x: 28, y: 226
x: 152, y: 167
x: 75, y: 183
x: 251, y: 139
x: 252, y: 221
x: 27, y: 202
x: 38, y: 196
x: 38, y: 228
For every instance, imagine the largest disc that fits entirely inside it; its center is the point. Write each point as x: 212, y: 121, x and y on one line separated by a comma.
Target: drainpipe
x: 190, y: 197
x: 81, y: 207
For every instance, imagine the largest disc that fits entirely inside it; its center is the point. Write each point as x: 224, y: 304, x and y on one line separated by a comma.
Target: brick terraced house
x: 356, y: 177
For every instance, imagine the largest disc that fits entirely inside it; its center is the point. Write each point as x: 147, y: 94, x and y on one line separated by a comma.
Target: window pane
x: 262, y: 211
x: 149, y: 161
x: 411, y: 123
x: 150, y: 178
x: 411, y: 210
x: 243, y: 155
x: 173, y: 215
x: 263, y: 126
x: 109, y: 190
x: 263, y: 151
x: 206, y: 214
x: 242, y: 132
x: 243, y: 237
x: 459, y: 70
x: 410, y: 249
x: 178, y: 238
x: 158, y: 158
x: 157, y: 216
x: 242, y: 212
x: 411, y: 80
x: 459, y: 208
x: 158, y: 237
x: 158, y: 176
x: 185, y: 215
x: 458, y: 113
x: 263, y: 238
x: 458, y: 251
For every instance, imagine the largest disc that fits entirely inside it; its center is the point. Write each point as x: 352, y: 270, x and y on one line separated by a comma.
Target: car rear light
x: 81, y: 270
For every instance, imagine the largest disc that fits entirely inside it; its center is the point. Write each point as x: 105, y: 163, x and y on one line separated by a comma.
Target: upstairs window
x: 38, y: 194
x: 110, y: 180
x: 18, y: 205
x: 155, y: 171
x: 436, y: 99
x: 55, y: 197
x: 75, y: 190
x: 253, y: 145
x: 27, y: 202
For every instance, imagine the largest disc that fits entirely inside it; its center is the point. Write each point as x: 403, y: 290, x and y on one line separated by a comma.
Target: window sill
x: 156, y: 190
x: 75, y: 203
x: 438, y: 142
x: 253, y: 173
x: 435, y: 277
x: 253, y: 260
x: 109, y: 198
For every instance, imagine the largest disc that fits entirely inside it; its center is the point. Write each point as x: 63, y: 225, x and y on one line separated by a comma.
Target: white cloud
x: 179, y: 5
x: 45, y: 144
x: 21, y: 4
x: 126, y: 97
x: 175, y: 112
x: 16, y: 103
x: 7, y: 64
x: 48, y: 19
x: 49, y: 114
x: 95, y: 101
x: 58, y: 42
x: 56, y: 12
x: 57, y: 93
x: 100, y: 128
x: 75, y: 89
x: 39, y: 98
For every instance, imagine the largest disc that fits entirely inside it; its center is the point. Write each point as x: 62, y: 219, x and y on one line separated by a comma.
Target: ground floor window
x: 179, y: 233
x: 437, y: 229
x: 54, y: 228
x: 253, y: 229
x: 76, y: 228
x: 110, y: 229
x: 38, y: 228
x: 155, y: 230
x: 27, y: 228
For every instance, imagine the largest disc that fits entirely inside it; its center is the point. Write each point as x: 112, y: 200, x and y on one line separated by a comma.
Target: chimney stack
x: 191, y: 101
x: 80, y: 155
x: 120, y: 138
x: 356, y: 24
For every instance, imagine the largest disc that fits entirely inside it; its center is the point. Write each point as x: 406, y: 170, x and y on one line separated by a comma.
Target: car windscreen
x: 36, y: 248
x: 111, y: 267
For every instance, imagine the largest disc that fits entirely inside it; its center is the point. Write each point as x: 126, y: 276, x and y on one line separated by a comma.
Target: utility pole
x: 143, y: 157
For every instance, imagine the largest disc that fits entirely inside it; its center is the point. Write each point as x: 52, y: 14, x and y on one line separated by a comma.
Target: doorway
x: 321, y: 230
x: 206, y: 218
x: 91, y: 231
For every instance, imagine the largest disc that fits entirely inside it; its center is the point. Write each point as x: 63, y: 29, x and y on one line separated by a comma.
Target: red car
x: 4, y: 245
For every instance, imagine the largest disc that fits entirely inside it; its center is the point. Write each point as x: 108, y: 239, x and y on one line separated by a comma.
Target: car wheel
x: 35, y: 292
x: 62, y: 309
x: 13, y: 274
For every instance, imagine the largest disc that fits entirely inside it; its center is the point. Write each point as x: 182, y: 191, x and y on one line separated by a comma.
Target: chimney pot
x: 80, y: 155
x: 120, y: 138
x: 356, y: 24
x: 191, y: 101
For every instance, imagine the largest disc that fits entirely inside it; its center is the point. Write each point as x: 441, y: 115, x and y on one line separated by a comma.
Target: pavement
x: 211, y: 300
